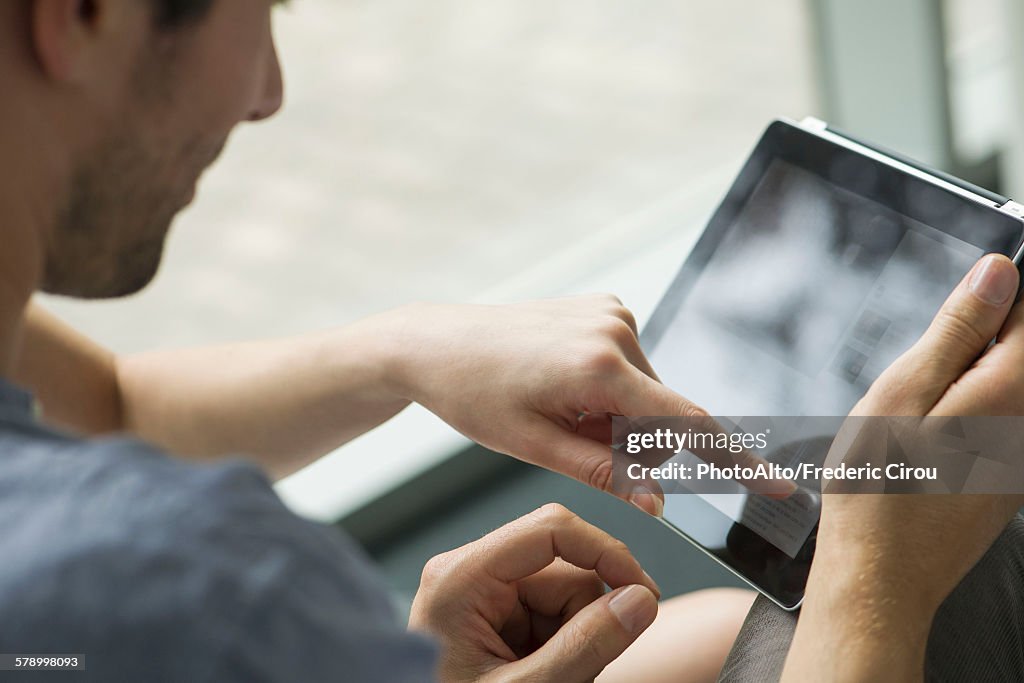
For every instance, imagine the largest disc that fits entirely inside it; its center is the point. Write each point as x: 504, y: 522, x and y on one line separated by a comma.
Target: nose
x: 272, y: 96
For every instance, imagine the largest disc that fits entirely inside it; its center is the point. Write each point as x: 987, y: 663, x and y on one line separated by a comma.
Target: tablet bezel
x: 866, y: 172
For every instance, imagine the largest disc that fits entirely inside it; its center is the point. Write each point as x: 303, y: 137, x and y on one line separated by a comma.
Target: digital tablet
x: 826, y: 260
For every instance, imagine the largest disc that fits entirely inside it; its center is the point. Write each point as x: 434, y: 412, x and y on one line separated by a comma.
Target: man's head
x: 127, y: 102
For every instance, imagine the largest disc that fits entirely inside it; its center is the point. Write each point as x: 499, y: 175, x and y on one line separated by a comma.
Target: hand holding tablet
x: 890, y: 561
x: 826, y: 261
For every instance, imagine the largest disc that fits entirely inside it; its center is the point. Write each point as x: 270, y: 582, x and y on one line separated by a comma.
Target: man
x: 156, y: 569
x: 112, y: 109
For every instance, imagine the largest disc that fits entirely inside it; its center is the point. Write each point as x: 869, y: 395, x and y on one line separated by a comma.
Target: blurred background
x: 497, y: 150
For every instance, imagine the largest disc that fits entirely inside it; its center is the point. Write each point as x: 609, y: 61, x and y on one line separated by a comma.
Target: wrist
x: 368, y: 355
x: 400, y: 350
x: 863, y: 604
x: 860, y: 567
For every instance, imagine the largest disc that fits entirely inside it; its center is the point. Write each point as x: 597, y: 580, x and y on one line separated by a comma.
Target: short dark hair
x: 172, y: 13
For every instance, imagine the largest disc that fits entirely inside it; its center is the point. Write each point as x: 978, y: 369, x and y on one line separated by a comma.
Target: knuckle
x: 618, y: 547
x: 579, y: 643
x: 957, y: 326
x: 693, y: 413
x: 597, y: 474
x: 601, y: 361
x: 616, y: 329
x: 554, y: 514
x: 691, y: 410
x: 627, y: 317
x: 436, y: 569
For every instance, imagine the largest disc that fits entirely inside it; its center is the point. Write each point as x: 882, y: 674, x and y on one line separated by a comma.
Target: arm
x: 537, y: 381
x: 855, y: 627
x: 50, y: 353
x: 284, y: 403
x: 885, y: 563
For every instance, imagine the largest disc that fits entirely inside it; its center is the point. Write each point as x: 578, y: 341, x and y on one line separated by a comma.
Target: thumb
x: 592, y: 639
x: 968, y: 320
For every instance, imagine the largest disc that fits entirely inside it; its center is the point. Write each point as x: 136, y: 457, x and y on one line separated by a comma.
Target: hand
x: 518, y: 378
x: 941, y: 536
x: 527, y: 602
x: 885, y: 562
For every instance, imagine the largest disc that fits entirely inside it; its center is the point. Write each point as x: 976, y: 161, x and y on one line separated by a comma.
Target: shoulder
x: 139, y: 557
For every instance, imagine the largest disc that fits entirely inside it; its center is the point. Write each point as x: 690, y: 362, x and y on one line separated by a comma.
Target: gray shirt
x: 159, y: 570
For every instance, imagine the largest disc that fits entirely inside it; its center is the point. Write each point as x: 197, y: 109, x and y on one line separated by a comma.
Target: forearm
x: 284, y: 403
x: 72, y: 377
x: 856, y: 625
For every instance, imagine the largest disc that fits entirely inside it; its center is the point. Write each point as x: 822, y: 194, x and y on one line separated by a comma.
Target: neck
x: 23, y: 223
x: 32, y: 165
x: 19, y: 273
x: 11, y: 323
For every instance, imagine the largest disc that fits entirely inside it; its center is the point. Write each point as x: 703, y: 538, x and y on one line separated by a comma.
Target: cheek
x: 213, y: 102
x: 229, y: 75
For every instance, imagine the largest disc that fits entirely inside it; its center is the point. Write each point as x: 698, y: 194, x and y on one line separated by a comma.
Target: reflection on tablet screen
x: 808, y: 297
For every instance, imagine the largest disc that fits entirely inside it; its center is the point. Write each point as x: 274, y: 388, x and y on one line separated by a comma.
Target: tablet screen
x: 803, y: 289
x: 811, y: 293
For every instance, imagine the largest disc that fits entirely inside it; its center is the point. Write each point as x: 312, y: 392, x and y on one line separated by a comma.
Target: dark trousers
x: 977, y: 635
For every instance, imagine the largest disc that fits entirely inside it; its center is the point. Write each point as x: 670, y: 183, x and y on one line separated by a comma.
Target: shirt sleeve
x: 299, y: 601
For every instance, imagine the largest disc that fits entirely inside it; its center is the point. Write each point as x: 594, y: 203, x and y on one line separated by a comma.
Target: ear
x: 73, y: 38
x: 61, y: 30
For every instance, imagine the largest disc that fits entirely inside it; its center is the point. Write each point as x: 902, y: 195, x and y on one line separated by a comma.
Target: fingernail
x: 786, y: 488
x: 643, y: 498
x: 994, y: 282
x: 633, y: 607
